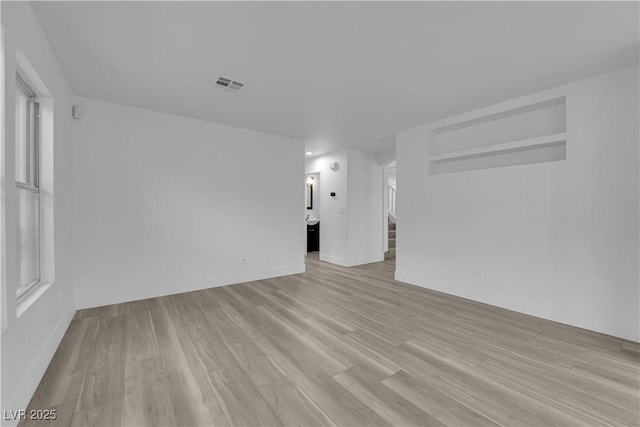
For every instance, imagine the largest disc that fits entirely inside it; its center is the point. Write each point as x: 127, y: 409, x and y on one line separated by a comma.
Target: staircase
x: 391, y: 253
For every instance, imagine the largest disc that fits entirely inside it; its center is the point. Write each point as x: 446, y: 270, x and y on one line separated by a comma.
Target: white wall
x: 366, y: 211
x: 30, y: 339
x: 559, y: 239
x: 165, y: 204
x: 351, y: 223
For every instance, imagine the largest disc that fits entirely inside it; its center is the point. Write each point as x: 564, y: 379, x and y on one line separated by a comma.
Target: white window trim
x: 23, y: 292
x: 45, y: 185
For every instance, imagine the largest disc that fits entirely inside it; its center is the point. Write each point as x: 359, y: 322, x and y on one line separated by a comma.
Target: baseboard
x: 350, y: 262
x: 20, y: 397
x: 135, y: 293
x: 589, y: 321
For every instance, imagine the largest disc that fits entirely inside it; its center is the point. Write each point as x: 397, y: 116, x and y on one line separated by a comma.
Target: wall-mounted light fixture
x: 310, y: 181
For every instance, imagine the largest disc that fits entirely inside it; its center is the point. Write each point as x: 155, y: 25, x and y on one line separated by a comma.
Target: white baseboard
x: 134, y: 293
x: 589, y: 321
x: 350, y: 262
x: 20, y: 397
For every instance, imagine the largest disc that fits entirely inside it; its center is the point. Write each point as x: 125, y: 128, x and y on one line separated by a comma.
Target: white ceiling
x: 333, y: 74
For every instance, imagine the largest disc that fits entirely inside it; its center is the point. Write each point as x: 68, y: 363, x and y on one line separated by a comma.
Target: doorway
x: 312, y: 207
x: 390, y: 213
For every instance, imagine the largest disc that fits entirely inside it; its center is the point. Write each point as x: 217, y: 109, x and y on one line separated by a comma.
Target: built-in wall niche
x: 532, y: 133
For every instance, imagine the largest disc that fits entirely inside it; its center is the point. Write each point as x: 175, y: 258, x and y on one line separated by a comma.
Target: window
x: 27, y: 134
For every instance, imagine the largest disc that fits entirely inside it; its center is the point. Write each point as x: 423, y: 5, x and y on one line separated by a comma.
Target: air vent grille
x: 230, y: 85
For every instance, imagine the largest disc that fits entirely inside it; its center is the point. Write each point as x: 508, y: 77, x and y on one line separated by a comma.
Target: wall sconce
x: 310, y: 180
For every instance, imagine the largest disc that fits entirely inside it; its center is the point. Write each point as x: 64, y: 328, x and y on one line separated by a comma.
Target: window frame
x: 32, y: 175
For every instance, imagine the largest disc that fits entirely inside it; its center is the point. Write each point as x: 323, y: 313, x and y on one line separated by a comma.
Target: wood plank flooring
x: 334, y: 346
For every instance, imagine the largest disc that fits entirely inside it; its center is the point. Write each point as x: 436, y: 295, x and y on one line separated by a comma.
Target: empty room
x: 309, y: 213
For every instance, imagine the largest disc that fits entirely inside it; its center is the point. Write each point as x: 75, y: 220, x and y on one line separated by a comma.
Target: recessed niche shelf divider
x: 488, y: 150
x: 530, y: 133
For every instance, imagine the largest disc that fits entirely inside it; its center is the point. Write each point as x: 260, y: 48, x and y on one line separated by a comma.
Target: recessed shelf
x: 523, y: 144
x: 509, y: 135
x: 497, y: 116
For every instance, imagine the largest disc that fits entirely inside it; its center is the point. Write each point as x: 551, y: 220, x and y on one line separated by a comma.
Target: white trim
x: 605, y: 325
x: 134, y: 293
x: 3, y: 189
x: 23, y: 291
x: 28, y: 187
x: 31, y: 295
x: 29, y: 73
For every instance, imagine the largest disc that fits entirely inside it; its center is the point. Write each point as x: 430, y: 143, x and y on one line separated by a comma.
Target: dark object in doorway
x: 313, y: 237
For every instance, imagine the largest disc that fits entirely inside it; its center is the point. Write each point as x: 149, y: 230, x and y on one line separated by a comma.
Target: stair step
x: 392, y: 226
x: 392, y: 234
x: 390, y: 254
x: 392, y: 243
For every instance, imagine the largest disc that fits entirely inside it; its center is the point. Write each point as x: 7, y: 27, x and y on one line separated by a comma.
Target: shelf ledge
x: 522, y: 144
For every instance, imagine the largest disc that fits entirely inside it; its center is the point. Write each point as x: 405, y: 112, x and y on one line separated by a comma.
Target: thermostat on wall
x: 334, y: 166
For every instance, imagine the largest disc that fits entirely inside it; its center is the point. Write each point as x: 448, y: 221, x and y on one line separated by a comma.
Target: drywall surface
x: 557, y: 240
x: 351, y: 221
x: 366, y: 209
x: 165, y: 204
x: 30, y: 339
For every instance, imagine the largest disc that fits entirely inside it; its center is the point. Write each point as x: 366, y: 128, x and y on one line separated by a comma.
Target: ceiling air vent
x: 230, y: 85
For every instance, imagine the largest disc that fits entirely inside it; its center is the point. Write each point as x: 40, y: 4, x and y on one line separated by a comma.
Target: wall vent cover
x: 230, y: 85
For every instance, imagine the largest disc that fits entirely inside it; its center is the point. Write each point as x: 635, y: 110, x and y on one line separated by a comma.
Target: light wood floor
x: 333, y: 346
